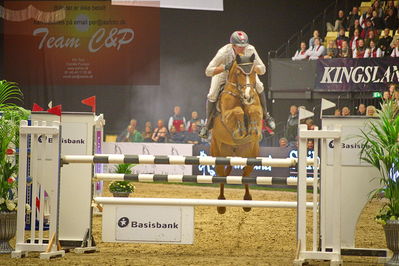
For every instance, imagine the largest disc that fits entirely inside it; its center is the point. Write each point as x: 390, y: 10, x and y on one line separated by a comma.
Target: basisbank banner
x: 364, y: 74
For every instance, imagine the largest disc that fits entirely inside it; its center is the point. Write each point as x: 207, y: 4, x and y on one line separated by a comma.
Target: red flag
x: 56, y: 110
x: 91, y: 101
x: 36, y: 107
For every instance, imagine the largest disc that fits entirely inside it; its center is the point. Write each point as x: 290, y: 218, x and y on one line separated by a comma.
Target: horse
x: 237, y: 127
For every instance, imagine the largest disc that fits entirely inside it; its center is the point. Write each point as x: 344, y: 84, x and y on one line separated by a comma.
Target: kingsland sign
x: 356, y: 74
x: 360, y: 74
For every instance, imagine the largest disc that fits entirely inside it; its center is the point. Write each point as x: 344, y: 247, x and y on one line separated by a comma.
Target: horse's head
x: 243, y: 76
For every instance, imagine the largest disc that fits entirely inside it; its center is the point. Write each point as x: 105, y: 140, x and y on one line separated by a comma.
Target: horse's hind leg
x: 247, y: 196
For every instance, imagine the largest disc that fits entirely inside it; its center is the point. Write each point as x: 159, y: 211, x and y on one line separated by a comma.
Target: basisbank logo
x: 124, y: 222
x: 42, y: 138
x: 347, y: 145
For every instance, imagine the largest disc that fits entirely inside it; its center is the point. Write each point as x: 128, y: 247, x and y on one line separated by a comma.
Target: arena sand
x: 260, y: 237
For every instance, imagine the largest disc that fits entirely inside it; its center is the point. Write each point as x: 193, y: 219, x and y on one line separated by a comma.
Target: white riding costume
x: 224, y: 56
x: 223, y: 60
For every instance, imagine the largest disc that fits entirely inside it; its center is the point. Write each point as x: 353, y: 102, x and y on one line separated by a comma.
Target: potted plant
x: 122, y: 188
x: 10, y: 116
x: 381, y: 150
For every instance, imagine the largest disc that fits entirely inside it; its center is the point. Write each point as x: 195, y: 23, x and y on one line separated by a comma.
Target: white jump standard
x: 50, y: 154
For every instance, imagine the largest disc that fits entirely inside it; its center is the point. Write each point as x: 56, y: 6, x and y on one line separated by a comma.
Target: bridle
x: 243, y: 95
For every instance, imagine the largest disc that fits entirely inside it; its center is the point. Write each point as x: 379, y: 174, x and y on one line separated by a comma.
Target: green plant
x: 381, y: 150
x: 122, y: 186
x: 9, y: 91
x: 10, y: 117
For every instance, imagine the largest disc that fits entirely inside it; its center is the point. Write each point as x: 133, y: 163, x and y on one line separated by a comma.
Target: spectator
x: 292, y: 124
x: 377, y: 22
x: 160, y: 133
x: 193, y: 137
x: 346, y: 111
x: 386, y: 96
x: 395, y: 37
x: 340, y: 22
x: 194, y: 120
x: 341, y: 37
x: 355, y: 27
x: 378, y: 9
x: 355, y: 39
x: 301, y: 53
x: 366, y: 17
x: 309, y: 123
x: 390, y: 5
x: 361, y: 110
x: 372, y: 51
x: 176, y: 119
x: 391, y: 90
x: 337, y: 112
x: 147, y: 134
x: 317, y: 51
x: 310, y: 145
x: 345, y: 51
x: 385, y: 43
x: 174, y: 136
x: 391, y: 20
x: 365, y: 32
x: 395, y: 49
x: 316, y: 34
x: 182, y: 134
x: 371, y: 111
x: 371, y: 36
x: 360, y: 49
x: 332, y: 51
x: 353, y: 16
x: 283, y: 143
x: 133, y: 135
x: 124, y: 135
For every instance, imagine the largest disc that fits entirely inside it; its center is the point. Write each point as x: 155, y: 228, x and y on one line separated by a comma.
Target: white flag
x: 326, y: 104
x: 303, y: 114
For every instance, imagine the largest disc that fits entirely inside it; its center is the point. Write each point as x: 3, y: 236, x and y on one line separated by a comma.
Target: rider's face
x: 238, y: 49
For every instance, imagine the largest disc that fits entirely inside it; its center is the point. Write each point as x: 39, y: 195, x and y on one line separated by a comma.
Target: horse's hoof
x: 221, y: 210
x: 246, y: 209
x: 247, y: 197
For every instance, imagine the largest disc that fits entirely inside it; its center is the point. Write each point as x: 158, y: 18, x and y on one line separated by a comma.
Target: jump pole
x: 202, y: 179
x: 198, y: 202
x: 180, y: 160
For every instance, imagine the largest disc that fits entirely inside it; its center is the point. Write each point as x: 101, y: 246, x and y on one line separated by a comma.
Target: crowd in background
x: 375, y: 33
x: 177, y: 130
x: 291, y: 129
x: 180, y: 130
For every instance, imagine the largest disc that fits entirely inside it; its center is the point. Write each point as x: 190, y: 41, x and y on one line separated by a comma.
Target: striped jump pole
x: 202, y: 179
x: 199, y: 202
x: 180, y: 160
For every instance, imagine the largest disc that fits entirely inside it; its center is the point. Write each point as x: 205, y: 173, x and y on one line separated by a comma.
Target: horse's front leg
x: 247, y: 196
x: 234, y: 121
x: 254, y: 112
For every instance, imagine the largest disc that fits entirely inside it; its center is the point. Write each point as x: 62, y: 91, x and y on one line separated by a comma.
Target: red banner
x: 96, y: 43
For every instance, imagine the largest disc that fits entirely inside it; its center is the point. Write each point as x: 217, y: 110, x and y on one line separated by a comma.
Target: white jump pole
x: 198, y: 202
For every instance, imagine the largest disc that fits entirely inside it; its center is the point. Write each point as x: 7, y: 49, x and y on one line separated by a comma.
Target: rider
x: 218, y: 69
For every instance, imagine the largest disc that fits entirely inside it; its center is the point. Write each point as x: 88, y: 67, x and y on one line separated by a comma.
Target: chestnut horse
x: 237, y: 129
